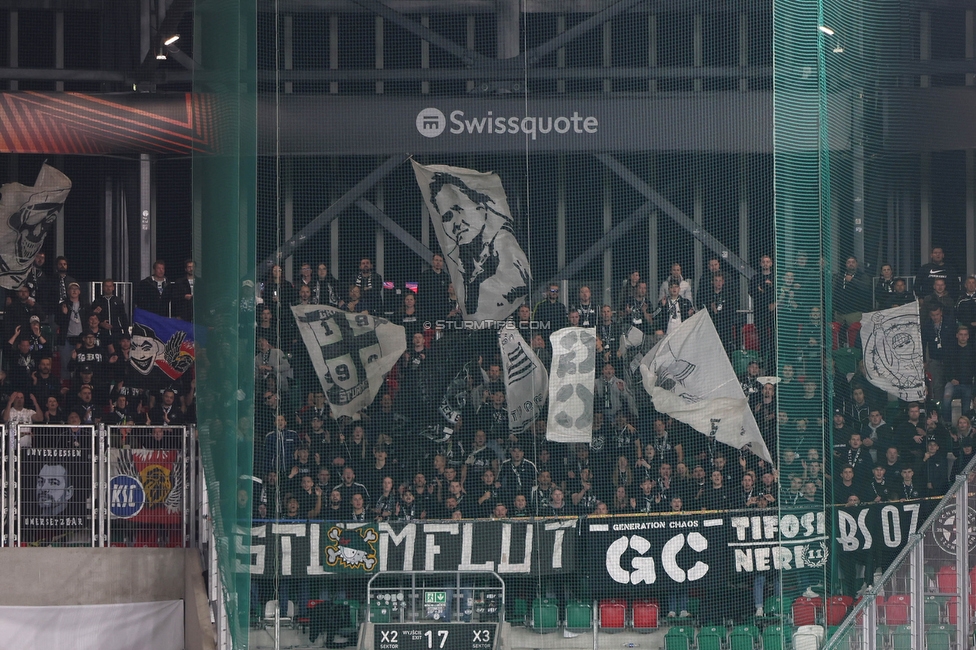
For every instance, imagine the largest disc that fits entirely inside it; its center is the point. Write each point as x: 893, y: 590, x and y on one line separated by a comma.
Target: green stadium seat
x: 516, y: 611
x: 679, y: 637
x: 579, y: 616
x: 937, y: 640
x: 776, y: 637
x: 545, y: 615
x: 712, y: 637
x: 932, y: 610
x: 742, y: 358
x: 744, y: 637
x: 901, y: 638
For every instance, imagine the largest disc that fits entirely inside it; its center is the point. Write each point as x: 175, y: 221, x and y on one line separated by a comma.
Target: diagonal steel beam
x: 468, y: 57
x: 324, y: 218
x: 616, y: 233
x: 393, y: 227
x: 174, y: 14
x: 677, y: 215
x: 539, y: 52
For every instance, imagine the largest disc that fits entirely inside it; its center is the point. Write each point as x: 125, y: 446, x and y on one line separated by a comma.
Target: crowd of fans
x: 376, y: 466
x: 639, y: 459
x: 67, y: 359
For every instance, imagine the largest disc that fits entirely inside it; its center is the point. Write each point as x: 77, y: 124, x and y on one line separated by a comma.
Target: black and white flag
x: 526, y: 379
x: 28, y: 213
x: 689, y: 377
x: 351, y: 353
x: 892, y: 344
x: 475, y: 230
x: 571, y: 385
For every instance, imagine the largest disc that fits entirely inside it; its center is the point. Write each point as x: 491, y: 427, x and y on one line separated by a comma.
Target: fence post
x: 916, y: 587
x: 962, y: 559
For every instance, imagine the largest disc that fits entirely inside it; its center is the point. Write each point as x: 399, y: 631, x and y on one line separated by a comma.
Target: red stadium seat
x: 613, y: 615
x: 805, y: 610
x: 645, y: 616
x: 835, y: 332
x: 837, y: 608
x: 853, y: 333
x: 898, y: 609
x: 750, y: 338
x: 945, y: 579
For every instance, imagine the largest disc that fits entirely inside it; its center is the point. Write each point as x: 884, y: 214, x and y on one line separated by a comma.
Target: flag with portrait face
x: 526, y: 380
x: 476, y: 233
x: 351, y: 353
x: 27, y: 214
x: 689, y: 377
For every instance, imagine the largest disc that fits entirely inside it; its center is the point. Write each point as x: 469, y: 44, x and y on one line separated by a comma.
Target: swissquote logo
x: 431, y: 123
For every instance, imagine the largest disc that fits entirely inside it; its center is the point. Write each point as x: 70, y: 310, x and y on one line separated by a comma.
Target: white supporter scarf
x: 689, y: 377
x: 351, y: 353
x: 474, y: 226
x: 892, y: 343
x: 571, y: 385
x: 526, y: 379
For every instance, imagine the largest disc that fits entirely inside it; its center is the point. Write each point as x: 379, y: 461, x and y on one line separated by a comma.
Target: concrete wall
x: 97, y: 576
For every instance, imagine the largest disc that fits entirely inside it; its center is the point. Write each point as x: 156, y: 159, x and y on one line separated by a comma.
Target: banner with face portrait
x: 351, y: 353
x: 475, y: 230
x: 162, y: 349
x: 892, y: 344
x: 28, y: 214
x: 571, y: 385
x: 146, y: 485
x: 55, y: 495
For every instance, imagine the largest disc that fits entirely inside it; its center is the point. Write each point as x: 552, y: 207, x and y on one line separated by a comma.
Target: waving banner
x: 892, y: 344
x: 28, y: 214
x: 689, y: 377
x: 351, y: 353
x: 571, y: 385
x: 162, y: 349
x: 475, y: 230
x: 526, y: 380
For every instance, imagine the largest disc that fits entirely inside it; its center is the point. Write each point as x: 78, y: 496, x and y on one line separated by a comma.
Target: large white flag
x: 351, y: 353
x: 892, y: 344
x: 689, y: 377
x: 28, y: 213
x: 571, y: 385
x: 476, y: 233
x: 526, y: 379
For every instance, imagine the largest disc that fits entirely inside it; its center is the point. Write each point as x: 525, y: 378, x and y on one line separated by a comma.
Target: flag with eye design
x: 571, y: 385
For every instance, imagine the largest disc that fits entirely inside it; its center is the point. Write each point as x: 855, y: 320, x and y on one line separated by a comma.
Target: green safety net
x: 224, y: 193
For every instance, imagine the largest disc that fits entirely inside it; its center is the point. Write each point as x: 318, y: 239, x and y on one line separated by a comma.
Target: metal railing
x: 99, y: 486
x: 922, y: 598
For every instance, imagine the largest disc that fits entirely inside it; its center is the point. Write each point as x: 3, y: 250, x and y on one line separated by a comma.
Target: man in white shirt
x: 15, y: 414
x: 683, y: 285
